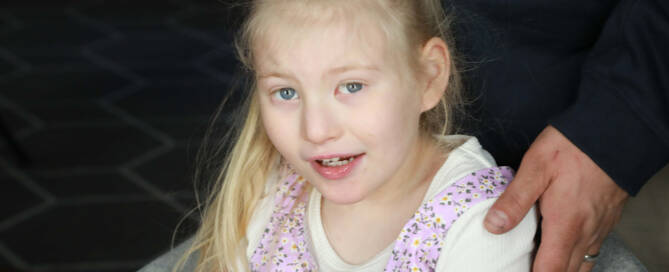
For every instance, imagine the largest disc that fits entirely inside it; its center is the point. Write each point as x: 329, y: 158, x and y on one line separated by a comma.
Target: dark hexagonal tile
x: 155, y: 44
x: 86, y: 184
x: 13, y: 121
x: 69, y: 147
x: 55, y: 57
x: 130, y: 14
x: 50, y: 86
x: 190, y: 129
x: 172, y: 171
x: 6, y: 67
x: 95, y: 232
x: 188, y: 200
x: 15, y: 197
x: 175, y: 100
x: 58, y: 31
x: 74, y: 112
x: 158, y: 71
x: 4, y: 24
x: 224, y: 62
x: 214, y: 21
x: 37, y: 10
x: 53, y: 40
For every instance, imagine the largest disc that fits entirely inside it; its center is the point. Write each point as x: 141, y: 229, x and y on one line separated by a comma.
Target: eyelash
x: 278, y: 94
x: 341, y: 88
x: 345, y: 86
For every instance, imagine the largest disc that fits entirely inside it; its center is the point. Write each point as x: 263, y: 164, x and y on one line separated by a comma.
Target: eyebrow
x: 342, y: 69
x: 333, y: 71
x: 275, y: 74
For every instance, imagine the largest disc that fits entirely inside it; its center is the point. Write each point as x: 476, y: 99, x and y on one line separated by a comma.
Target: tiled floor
x: 110, y: 99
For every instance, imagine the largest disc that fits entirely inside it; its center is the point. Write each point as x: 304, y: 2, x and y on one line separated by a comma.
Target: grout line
x: 147, y: 156
x: 34, y: 121
x: 203, y: 36
x: 204, y: 67
x: 144, y: 184
x: 21, y: 65
x: 24, y: 215
x: 124, y: 92
x: 101, y: 199
x: 198, y: 35
x: 27, y: 182
x: 137, y: 82
x: 91, y: 266
x: 74, y: 13
x: 107, y: 123
x: 75, y: 171
x: 14, y: 259
x: 106, y: 103
x: 131, y: 120
x: 218, y: 44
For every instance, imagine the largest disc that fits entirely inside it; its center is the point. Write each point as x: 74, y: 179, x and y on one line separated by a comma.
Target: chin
x: 344, y: 196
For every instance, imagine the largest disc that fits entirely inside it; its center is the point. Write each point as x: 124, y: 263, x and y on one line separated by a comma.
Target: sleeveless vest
x: 285, y: 245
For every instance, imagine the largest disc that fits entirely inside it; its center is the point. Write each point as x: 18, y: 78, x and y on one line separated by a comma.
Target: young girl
x: 342, y: 163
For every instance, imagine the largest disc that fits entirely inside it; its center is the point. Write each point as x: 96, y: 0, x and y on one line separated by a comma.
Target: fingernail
x: 497, y: 219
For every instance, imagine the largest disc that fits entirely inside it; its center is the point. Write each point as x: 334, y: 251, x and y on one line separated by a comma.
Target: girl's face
x: 339, y: 106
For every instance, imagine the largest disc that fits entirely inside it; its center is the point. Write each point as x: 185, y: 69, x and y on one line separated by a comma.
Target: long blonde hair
x: 240, y: 181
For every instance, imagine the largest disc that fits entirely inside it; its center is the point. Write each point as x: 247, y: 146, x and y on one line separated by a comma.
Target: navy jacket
x: 598, y: 71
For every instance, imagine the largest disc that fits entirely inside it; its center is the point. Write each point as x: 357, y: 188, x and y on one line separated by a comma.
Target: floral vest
x: 285, y: 247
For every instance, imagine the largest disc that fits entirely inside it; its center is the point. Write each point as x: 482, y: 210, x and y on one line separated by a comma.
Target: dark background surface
x: 109, y: 100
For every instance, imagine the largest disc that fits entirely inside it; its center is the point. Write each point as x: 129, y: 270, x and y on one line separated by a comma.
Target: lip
x: 336, y: 172
x: 330, y: 156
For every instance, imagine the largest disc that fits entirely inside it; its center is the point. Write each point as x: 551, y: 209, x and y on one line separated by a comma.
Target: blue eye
x: 349, y: 88
x: 286, y: 94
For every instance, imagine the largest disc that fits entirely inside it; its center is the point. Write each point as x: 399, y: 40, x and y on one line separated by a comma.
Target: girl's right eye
x: 286, y: 94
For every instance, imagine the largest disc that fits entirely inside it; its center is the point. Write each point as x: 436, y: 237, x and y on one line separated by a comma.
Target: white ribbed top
x: 468, y: 246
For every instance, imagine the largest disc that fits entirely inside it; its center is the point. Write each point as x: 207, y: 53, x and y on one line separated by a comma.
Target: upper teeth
x: 336, y: 161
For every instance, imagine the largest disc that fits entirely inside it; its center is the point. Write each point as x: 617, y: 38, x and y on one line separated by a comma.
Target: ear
x: 436, y: 65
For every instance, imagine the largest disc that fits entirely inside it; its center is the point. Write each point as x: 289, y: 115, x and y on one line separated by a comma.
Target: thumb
x: 516, y: 201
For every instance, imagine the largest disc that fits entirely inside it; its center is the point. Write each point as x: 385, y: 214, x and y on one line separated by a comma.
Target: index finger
x: 558, y: 240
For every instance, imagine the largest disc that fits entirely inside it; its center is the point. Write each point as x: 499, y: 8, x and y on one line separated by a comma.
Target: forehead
x: 321, y: 43
x: 296, y: 31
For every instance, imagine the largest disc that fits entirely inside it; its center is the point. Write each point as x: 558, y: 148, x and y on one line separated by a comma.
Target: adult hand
x: 579, y: 203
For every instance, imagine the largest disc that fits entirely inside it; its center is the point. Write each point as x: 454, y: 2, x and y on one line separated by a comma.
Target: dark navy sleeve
x: 620, y: 117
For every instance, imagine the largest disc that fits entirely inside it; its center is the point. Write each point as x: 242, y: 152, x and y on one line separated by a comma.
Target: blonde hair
x: 240, y: 181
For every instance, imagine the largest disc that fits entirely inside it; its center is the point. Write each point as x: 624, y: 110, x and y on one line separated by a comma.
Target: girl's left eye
x: 349, y: 88
x: 286, y: 94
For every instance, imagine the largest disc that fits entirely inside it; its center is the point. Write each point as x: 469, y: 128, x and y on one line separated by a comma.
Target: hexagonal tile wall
x: 110, y: 100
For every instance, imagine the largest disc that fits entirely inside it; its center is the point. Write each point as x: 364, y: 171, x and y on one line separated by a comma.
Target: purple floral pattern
x: 284, y: 245
x: 419, y: 245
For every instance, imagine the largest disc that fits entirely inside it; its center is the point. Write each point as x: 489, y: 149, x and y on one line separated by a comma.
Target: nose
x: 319, y: 123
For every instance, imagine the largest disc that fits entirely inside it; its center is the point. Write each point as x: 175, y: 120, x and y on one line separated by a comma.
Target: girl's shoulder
x: 465, y: 156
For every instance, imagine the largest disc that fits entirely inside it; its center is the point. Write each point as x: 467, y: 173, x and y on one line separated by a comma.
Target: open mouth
x: 337, y: 167
x: 338, y: 161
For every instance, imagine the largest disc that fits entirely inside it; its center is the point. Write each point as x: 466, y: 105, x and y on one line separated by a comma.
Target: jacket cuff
x: 612, y: 134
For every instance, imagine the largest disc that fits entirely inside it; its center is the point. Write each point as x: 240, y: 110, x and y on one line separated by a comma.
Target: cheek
x: 388, y: 117
x: 278, y: 129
